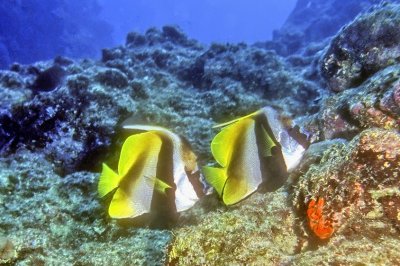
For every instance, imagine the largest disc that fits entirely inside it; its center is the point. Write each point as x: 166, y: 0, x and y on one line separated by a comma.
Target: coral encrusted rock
x: 358, y: 186
x: 368, y: 44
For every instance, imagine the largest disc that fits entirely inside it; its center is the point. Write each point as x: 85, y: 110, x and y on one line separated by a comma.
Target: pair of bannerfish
x: 158, y: 172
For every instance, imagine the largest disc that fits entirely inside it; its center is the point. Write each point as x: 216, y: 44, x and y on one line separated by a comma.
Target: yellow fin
x: 134, y: 147
x: 109, y: 180
x: 161, y: 186
x: 216, y: 177
x: 235, y: 149
x: 120, y: 206
x: 236, y: 120
x: 236, y: 189
x: 244, y: 173
x: 267, y: 143
x: 223, y: 144
x: 158, y: 184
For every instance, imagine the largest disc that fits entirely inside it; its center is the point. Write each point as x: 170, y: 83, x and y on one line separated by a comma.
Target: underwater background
x: 74, y: 71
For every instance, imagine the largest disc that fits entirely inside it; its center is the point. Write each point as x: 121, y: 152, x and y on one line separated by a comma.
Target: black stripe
x: 132, y: 175
x: 163, y: 206
x: 273, y: 168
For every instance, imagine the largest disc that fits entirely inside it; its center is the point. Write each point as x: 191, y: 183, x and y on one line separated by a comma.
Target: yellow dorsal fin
x: 235, y: 120
x: 109, y: 180
x: 223, y: 144
x: 134, y: 147
x: 267, y: 143
x: 216, y: 177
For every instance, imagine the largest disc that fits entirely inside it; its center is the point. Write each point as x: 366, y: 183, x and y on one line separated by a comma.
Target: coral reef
x: 241, y: 235
x: 361, y: 201
x: 56, y: 220
x: 368, y: 44
x: 48, y: 138
x: 375, y: 103
x: 365, y: 185
x: 313, y: 21
x: 340, y: 206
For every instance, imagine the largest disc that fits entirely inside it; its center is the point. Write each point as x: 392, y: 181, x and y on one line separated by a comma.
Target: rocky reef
x: 61, y: 119
x: 362, y: 48
x: 313, y: 21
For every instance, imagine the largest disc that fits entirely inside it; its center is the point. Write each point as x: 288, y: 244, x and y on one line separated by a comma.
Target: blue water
x: 34, y: 30
x: 205, y: 20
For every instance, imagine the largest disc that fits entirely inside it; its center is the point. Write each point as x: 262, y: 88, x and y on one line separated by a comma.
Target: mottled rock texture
x: 363, y: 47
x: 359, y: 182
x: 375, y: 103
x: 57, y: 220
x: 246, y: 236
x: 364, y: 185
x: 53, y: 141
x: 313, y: 21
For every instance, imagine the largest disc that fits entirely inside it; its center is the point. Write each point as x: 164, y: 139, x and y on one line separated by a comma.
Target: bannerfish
x: 157, y: 173
x: 252, y: 150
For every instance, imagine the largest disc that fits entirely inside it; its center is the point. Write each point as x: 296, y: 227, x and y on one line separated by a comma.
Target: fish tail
x: 109, y: 181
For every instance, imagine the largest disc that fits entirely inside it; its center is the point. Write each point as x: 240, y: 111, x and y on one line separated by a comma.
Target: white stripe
x: 292, y: 151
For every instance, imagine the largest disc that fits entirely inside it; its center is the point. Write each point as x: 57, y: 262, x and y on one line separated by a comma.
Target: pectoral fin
x: 158, y: 184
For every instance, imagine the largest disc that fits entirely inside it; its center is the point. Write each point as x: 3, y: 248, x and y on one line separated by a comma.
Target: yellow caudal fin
x: 121, y: 206
x: 216, y: 177
x: 267, y: 143
x: 134, y: 149
x: 236, y: 120
x: 109, y: 180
